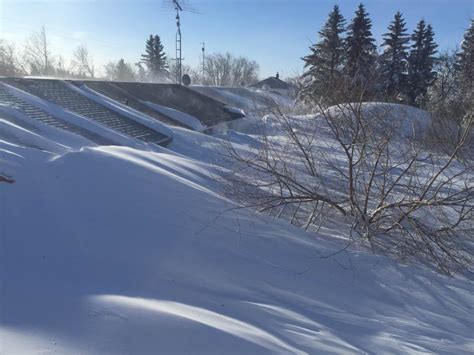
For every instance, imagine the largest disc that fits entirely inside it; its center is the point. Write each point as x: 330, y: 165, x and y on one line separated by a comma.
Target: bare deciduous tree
x: 9, y: 63
x: 445, y: 85
x: 38, y: 54
x: 227, y: 70
x: 82, y: 64
x: 173, y: 71
x: 450, y: 104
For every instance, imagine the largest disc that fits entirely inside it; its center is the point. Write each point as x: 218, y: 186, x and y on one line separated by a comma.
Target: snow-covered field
x: 130, y: 251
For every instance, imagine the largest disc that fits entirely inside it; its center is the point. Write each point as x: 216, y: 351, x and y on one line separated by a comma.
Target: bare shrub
x: 368, y: 164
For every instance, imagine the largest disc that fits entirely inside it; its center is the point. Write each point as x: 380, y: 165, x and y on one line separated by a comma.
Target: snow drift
x: 121, y: 250
x: 407, y: 121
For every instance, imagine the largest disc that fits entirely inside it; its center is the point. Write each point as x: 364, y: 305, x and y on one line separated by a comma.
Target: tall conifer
x: 421, y: 62
x: 360, y: 47
x: 465, y: 60
x: 155, y: 58
x: 393, y: 61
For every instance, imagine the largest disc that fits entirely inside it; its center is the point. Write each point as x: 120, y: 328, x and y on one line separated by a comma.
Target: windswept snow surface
x: 181, y: 117
x: 249, y: 100
x: 119, y: 250
x: 406, y: 121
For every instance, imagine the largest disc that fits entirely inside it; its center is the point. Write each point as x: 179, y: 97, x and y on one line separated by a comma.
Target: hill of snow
x: 123, y: 250
x: 249, y: 100
x: 407, y: 121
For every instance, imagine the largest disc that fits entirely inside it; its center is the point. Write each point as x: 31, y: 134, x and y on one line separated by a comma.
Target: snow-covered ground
x: 249, y: 100
x: 130, y: 251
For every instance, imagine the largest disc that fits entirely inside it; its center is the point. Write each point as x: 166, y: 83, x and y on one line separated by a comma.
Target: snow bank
x: 408, y: 121
x: 229, y: 97
x: 234, y: 110
x: 119, y: 250
x: 250, y: 101
x: 280, y: 100
x: 51, y: 140
x: 179, y: 116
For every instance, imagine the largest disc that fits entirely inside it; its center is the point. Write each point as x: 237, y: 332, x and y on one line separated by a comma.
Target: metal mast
x: 179, y: 57
x: 178, y: 6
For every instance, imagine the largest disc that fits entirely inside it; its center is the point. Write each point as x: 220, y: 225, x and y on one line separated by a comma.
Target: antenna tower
x: 178, y: 6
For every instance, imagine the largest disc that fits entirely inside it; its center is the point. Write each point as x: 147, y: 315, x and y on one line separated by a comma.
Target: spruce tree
x: 148, y: 56
x: 160, y: 57
x: 421, y: 62
x: 360, y: 47
x: 393, y: 61
x: 324, y: 63
x: 155, y: 58
x: 429, y: 46
x: 415, y: 62
x: 124, y: 71
x: 465, y: 60
x: 141, y: 73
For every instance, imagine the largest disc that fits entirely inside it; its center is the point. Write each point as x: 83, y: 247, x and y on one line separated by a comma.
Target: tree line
x: 399, y: 179
x: 37, y: 58
x: 407, y: 69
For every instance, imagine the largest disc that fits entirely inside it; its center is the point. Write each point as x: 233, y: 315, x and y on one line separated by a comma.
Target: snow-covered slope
x: 406, y: 121
x: 125, y: 251
x: 181, y: 117
x: 251, y: 101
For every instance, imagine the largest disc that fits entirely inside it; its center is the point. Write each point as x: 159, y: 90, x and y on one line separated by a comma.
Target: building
x: 275, y: 84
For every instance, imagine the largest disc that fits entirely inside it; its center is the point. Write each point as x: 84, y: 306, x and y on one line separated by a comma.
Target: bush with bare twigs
x: 368, y: 163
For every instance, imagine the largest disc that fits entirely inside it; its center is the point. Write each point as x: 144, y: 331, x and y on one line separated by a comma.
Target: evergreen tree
x: 120, y: 71
x: 124, y: 71
x: 141, y: 73
x: 148, y: 56
x: 415, y: 62
x: 465, y: 60
x: 324, y: 63
x: 155, y: 58
x: 429, y: 54
x: 393, y: 61
x: 360, y: 47
x: 421, y: 62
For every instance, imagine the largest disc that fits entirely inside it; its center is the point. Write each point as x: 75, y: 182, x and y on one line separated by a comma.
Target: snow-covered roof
x: 273, y: 82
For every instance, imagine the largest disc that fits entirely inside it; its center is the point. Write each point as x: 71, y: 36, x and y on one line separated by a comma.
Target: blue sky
x: 275, y: 33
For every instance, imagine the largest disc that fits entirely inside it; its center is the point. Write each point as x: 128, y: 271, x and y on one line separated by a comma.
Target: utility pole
x: 203, y: 62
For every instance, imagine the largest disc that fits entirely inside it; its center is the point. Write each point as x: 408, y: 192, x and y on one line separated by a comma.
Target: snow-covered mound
x: 249, y: 100
x: 126, y: 251
x: 407, y: 121
x: 184, y: 118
